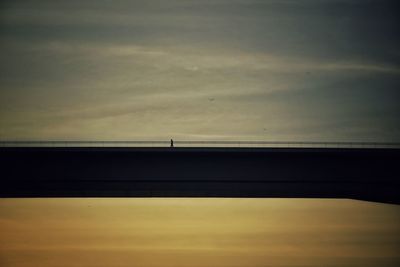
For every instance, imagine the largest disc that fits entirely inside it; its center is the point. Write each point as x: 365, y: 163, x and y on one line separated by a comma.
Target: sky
x: 299, y: 70
x: 198, y: 232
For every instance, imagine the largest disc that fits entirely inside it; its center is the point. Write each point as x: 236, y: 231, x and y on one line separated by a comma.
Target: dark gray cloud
x: 138, y: 69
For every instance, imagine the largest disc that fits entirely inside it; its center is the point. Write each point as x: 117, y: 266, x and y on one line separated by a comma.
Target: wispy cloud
x: 211, y: 69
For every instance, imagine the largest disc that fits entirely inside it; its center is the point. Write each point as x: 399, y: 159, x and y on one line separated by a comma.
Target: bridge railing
x: 205, y: 143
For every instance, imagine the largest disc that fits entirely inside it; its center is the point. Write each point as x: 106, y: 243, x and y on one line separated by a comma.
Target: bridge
x: 365, y: 171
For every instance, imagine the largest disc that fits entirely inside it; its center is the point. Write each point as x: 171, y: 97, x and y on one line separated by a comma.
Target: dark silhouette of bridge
x: 367, y: 171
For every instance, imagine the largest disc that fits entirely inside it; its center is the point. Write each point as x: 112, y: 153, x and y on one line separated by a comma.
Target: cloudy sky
x: 212, y: 69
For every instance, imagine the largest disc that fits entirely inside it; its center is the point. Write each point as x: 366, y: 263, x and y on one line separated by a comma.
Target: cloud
x: 136, y: 69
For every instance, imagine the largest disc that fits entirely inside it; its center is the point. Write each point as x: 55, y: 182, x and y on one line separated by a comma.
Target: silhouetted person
x: 172, y: 143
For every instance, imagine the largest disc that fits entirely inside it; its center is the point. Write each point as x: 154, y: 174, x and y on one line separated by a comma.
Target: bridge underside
x: 366, y: 174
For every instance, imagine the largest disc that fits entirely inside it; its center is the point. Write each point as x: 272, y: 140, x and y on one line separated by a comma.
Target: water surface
x: 198, y: 232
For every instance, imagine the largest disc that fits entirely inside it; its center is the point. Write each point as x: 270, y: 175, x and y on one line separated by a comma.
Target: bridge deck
x: 369, y: 174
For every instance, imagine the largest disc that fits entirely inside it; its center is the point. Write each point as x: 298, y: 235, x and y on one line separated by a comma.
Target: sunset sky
x: 213, y: 69
x: 198, y: 232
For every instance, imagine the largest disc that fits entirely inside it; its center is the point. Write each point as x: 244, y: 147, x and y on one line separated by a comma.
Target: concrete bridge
x: 359, y: 173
